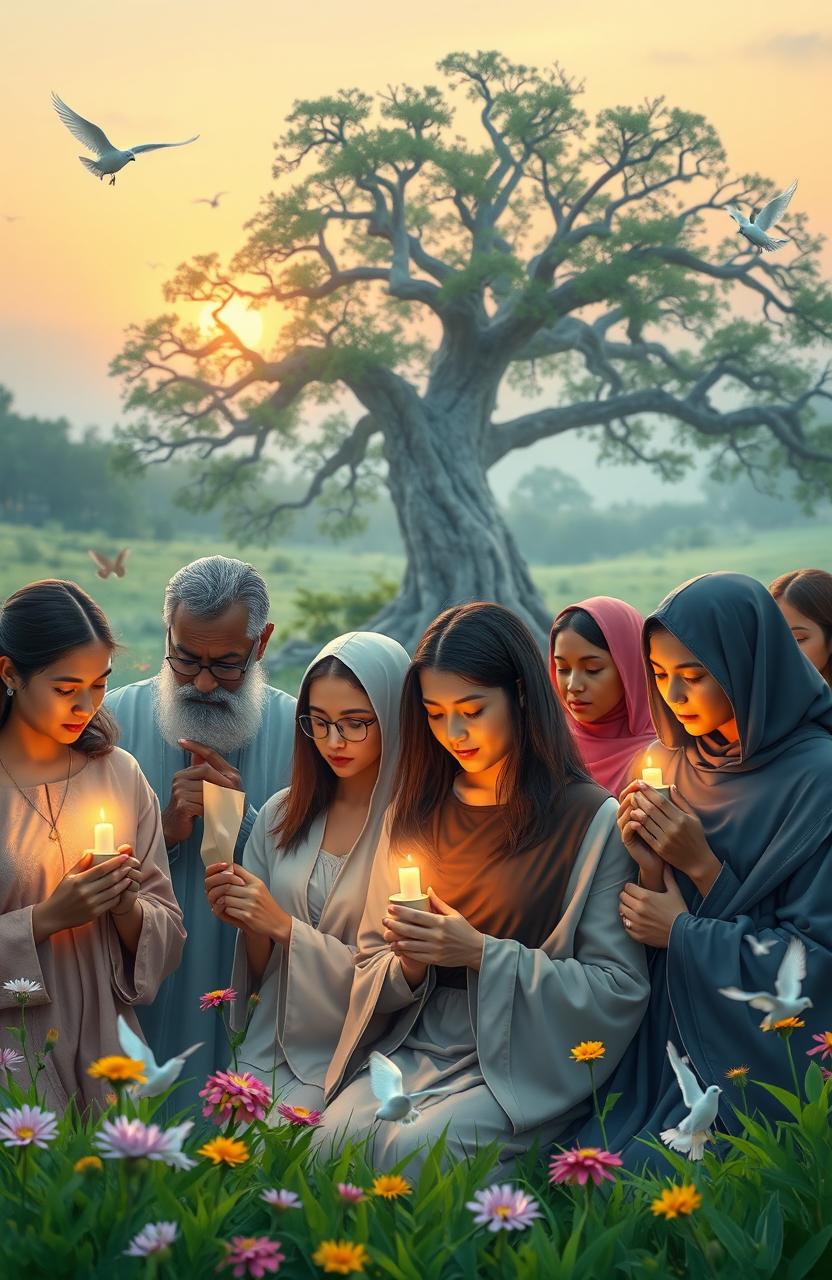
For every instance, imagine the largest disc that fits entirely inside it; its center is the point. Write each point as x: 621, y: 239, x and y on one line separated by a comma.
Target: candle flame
x: 409, y: 858
x: 649, y: 761
x: 102, y: 815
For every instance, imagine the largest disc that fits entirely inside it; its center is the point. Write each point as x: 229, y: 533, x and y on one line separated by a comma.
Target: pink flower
x: 280, y: 1199
x: 252, y: 1255
x: 350, y: 1193
x: 582, y: 1163
x: 156, y: 1237
x: 298, y: 1115
x: 123, y: 1139
x: 823, y: 1046
x: 502, y: 1208
x: 214, y: 999
x: 237, y: 1094
x: 27, y: 1126
x: 10, y: 1059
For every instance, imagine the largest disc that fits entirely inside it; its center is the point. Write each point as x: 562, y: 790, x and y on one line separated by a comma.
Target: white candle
x: 652, y: 776
x: 410, y: 885
x: 103, y: 842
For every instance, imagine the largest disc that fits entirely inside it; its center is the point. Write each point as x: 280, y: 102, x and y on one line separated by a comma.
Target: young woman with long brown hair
x: 521, y: 955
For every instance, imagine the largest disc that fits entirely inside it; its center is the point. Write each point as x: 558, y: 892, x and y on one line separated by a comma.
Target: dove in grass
x: 787, y: 1002
x: 756, y: 228
x: 760, y: 948
x: 108, y: 159
x: 106, y: 566
x: 158, y: 1078
x: 691, y: 1134
x: 387, y: 1083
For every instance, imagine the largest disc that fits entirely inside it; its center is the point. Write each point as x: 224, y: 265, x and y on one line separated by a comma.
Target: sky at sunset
x: 75, y: 267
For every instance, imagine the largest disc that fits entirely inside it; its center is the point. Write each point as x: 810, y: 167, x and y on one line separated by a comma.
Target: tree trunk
x: 458, y: 545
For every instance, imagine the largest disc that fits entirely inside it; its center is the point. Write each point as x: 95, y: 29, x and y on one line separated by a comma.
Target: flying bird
x: 158, y: 1078
x: 691, y: 1134
x: 788, y: 1002
x: 387, y: 1083
x: 760, y: 948
x: 109, y: 159
x: 755, y: 229
x: 215, y: 203
x: 106, y: 566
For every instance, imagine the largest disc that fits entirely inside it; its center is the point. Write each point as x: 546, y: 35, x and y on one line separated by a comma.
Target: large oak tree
x: 591, y: 264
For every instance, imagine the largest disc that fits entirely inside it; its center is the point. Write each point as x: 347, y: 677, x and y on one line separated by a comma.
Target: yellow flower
x: 736, y: 1073
x: 88, y: 1164
x: 390, y: 1186
x: 784, y: 1024
x: 119, y: 1070
x: 341, y: 1256
x: 675, y: 1201
x: 53, y: 1035
x: 588, y: 1051
x: 225, y: 1151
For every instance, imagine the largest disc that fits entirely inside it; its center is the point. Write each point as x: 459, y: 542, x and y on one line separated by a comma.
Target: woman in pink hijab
x: 597, y: 669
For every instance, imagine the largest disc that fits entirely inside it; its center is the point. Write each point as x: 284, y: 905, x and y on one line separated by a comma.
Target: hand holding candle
x: 652, y: 775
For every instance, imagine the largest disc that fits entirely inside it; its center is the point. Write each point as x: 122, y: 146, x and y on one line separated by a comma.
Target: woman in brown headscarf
x: 520, y: 955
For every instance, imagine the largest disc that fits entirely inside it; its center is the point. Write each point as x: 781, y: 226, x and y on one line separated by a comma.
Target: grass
x: 133, y: 603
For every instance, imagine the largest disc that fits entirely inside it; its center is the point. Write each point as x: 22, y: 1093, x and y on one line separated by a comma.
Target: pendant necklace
x: 52, y: 820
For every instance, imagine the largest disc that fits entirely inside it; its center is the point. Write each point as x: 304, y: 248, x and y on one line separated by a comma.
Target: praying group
x: 564, y: 898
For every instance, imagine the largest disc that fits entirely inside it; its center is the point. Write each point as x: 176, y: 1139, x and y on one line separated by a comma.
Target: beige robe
x: 305, y: 988
x: 87, y: 975
x: 502, y: 1045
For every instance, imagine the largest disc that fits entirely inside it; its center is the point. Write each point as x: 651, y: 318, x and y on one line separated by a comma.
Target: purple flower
x: 123, y: 1139
x: 582, y: 1163
x: 10, y: 1059
x: 280, y: 1199
x: 156, y: 1237
x: 252, y: 1256
x: 27, y: 1126
x: 235, y: 1094
x: 502, y: 1208
x: 350, y: 1193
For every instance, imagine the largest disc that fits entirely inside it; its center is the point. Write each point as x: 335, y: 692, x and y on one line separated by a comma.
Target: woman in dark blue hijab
x: 735, y: 861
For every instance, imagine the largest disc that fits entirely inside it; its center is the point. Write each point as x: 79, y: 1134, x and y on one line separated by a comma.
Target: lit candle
x: 410, y: 884
x: 103, y: 842
x: 652, y: 775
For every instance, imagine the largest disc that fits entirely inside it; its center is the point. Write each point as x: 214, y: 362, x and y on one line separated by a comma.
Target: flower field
x: 220, y: 1192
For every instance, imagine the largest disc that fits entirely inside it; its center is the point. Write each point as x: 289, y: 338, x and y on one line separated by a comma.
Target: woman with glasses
x: 298, y: 896
x: 521, y: 956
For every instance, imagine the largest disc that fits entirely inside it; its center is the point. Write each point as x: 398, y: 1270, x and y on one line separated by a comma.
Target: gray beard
x: 219, y: 719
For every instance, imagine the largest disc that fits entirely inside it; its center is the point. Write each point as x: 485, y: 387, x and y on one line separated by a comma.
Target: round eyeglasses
x: 219, y: 670
x: 348, y: 729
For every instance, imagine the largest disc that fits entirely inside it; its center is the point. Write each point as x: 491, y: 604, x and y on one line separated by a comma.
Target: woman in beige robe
x: 522, y: 955
x: 95, y: 939
x: 300, y: 900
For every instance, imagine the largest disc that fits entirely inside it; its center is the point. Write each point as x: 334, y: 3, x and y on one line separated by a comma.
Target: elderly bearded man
x: 210, y: 714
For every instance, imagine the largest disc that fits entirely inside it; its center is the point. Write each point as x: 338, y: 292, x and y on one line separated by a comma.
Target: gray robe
x: 174, y: 1019
x: 503, y: 1045
x: 305, y: 988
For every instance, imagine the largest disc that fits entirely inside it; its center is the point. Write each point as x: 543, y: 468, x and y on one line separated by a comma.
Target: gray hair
x: 210, y: 586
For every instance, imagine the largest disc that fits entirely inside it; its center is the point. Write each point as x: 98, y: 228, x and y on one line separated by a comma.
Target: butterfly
x: 106, y: 566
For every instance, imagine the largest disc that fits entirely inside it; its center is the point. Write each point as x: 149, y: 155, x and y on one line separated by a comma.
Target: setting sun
x: 247, y: 324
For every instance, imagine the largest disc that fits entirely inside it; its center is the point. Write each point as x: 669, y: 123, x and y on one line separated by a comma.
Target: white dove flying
x: 158, y: 1078
x: 756, y: 227
x: 788, y: 1002
x: 760, y: 948
x: 109, y: 159
x: 691, y: 1134
x: 387, y: 1083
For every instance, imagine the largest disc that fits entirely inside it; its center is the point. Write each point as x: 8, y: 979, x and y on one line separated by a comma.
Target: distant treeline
x: 50, y: 477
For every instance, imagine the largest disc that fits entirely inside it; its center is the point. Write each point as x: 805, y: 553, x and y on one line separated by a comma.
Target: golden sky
x: 74, y: 269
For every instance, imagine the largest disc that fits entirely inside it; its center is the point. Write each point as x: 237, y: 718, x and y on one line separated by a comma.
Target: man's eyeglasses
x: 348, y: 729
x: 219, y: 670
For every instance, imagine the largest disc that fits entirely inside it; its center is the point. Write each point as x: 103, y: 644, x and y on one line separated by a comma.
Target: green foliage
x: 320, y: 615
x: 762, y: 1209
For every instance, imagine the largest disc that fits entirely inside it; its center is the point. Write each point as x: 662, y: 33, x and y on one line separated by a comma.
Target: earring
x: 9, y: 692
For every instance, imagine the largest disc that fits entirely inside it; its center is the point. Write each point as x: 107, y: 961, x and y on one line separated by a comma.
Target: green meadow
x: 133, y: 603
